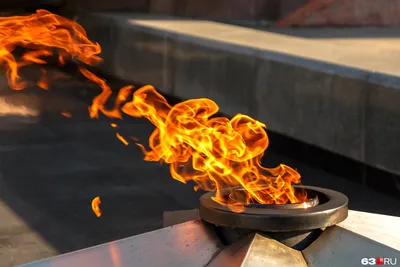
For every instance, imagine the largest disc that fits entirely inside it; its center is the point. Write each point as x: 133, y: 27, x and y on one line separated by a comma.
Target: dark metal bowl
x: 332, y: 209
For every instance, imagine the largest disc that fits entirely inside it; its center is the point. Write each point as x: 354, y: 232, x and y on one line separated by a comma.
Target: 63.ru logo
x: 379, y: 261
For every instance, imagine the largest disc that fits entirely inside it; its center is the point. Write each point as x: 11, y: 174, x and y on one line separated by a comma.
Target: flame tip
x: 95, y: 206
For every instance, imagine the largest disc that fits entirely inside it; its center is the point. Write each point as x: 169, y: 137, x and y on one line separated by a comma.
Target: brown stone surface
x: 130, y: 5
x: 345, y: 13
x: 269, y: 10
x: 218, y: 9
x: 165, y: 7
x: 288, y: 6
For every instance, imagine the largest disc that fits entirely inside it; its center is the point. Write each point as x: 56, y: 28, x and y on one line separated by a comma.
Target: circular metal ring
x: 311, y: 202
x: 332, y: 209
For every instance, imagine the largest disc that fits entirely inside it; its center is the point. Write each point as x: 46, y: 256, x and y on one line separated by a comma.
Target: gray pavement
x: 52, y: 166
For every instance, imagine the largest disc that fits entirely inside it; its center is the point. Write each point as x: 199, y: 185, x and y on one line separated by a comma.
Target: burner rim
x: 328, y: 213
x: 314, y: 201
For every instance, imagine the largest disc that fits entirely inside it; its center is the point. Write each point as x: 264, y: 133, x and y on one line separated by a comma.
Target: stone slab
x: 361, y: 235
x: 189, y: 243
x: 257, y: 250
x: 341, y: 247
x: 377, y: 227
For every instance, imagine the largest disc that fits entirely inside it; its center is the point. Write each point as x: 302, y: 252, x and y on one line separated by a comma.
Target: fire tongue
x: 44, y: 33
x: 214, y: 152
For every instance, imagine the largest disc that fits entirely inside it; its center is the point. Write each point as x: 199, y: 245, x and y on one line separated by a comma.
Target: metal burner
x: 330, y: 209
x: 187, y: 240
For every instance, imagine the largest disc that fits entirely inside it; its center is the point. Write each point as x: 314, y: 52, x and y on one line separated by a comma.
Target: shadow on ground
x: 52, y: 167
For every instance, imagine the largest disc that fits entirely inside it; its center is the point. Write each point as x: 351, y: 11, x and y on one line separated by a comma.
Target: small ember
x: 134, y: 138
x: 122, y: 139
x: 44, y: 80
x: 95, y: 206
x: 66, y: 114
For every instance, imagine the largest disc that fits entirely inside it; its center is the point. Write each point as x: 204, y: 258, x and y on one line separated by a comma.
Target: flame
x: 44, y: 80
x: 114, y: 125
x: 216, y: 153
x: 66, y: 114
x: 45, y: 34
x: 122, y: 139
x: 95, y: 206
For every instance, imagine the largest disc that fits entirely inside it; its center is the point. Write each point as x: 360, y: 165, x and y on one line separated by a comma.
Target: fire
x: 122, y: 139
x: 45, y: 34
x: 44, y: 80
x: 95, y: 206
x: 66, y: 114
x: 214, y: 152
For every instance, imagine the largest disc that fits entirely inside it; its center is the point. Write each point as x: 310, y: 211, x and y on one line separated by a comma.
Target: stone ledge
x: 342, y: 99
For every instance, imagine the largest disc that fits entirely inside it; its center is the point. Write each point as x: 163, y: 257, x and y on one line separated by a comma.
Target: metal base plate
x: 361, y: 235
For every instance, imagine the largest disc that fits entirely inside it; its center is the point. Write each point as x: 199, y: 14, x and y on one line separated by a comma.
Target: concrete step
x: 338, y: 94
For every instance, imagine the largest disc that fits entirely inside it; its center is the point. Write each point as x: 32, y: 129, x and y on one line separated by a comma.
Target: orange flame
x: 66, y: 114
x: 44, y: 33
x: 44, y: 80
x: 95, y: 206
x: 214, y: 152
x: 122, y: 139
